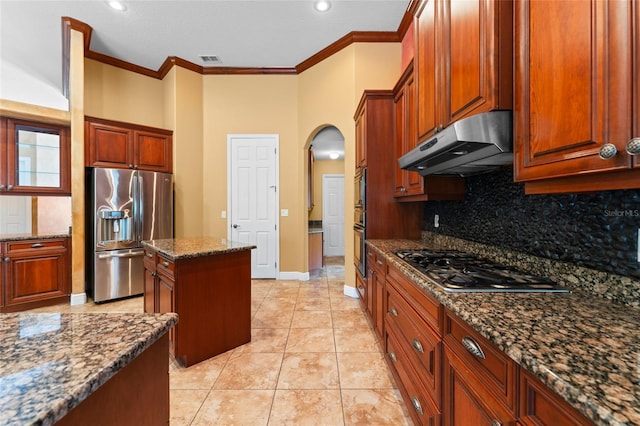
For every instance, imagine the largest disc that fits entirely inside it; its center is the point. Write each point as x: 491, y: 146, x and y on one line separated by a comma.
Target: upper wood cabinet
x: 409, y: 185
x: 464, y: 60
x: 361, y: 140
x: 35, y: 158
x: 122, y: 145
x: 577, y: 91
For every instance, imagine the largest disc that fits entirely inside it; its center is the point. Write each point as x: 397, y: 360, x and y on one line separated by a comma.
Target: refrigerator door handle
x: 137, y: 206
x: 128, y: 254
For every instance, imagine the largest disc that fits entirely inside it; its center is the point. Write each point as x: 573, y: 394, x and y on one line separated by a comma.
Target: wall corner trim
x: 78, y: 299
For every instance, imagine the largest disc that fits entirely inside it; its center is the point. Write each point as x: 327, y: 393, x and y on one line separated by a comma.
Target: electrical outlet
x: 436, y: 221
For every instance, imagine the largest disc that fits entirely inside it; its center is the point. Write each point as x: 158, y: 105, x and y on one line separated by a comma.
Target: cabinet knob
x: 607, y: 151
x: 495, y: 422
x: 149, y: 254
x: 2, y: 187
x: 372, y: 272
x: 131, y: 166
x: 393, y: 311
x: 165, y: 264
x: 392, y: 355
x: 633, y: 147
x: 9, y: 187
x: 6, y: 259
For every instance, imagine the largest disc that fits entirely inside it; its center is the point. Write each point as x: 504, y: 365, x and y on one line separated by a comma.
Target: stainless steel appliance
x: 124, y: 207
x: 473, y: 145
x: 456, y: 271
x: 359, y: 226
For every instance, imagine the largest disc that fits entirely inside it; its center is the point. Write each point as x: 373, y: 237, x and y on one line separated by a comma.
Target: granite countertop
x: 181, y: 248
x: 50, y: 363
x: 315, y: 230
x: 31, y: 236
x: 585, y: 348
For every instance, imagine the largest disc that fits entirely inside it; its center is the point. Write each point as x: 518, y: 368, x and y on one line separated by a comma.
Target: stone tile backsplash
x: 578, y: 233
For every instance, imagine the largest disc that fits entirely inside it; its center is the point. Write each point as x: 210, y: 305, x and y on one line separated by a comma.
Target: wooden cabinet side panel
x: 427, y: 78
x: 137, y: 395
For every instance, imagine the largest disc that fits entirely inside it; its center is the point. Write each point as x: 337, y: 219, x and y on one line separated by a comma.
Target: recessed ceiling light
x: 322, y: 5
x: 334, y: 155
x: 117, y: 5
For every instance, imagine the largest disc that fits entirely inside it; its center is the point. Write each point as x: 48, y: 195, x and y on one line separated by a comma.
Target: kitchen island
x: 583, y: 348
x: 207, y: 282
x: 81, y: 368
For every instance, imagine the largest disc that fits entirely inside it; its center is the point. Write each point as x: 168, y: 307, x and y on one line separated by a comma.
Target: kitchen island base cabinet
x: 137, y: 395
x: 211, y: 295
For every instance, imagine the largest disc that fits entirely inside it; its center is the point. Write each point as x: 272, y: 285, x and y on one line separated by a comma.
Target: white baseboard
x: 350, y: 291
x: 78, y: 299
x: 301, y: 276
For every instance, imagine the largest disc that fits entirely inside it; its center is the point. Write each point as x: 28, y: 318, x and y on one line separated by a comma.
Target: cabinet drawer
x: 376, y: 261
x: 14, y: 247
x: 496, y: 369
x: 426, y: 306
x: 150, y: 260
x: 423, y: 410
x: 418, y: 340
x: 166, y: 266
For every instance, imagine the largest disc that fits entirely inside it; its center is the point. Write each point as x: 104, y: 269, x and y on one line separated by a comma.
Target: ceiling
x: 326, y: 141
x: 258, y: 33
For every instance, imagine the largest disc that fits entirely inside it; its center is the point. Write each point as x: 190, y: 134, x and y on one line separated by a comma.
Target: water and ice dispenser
x: 115, y: 226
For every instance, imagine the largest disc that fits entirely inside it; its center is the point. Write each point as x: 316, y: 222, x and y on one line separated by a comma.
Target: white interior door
x: 333, y: 214
x: 253, y: 199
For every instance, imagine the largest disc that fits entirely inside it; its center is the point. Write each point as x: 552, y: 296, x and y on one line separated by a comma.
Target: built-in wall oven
x: 359, y: 226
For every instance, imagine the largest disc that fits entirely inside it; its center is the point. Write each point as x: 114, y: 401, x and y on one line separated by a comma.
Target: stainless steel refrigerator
x: 124, y: 207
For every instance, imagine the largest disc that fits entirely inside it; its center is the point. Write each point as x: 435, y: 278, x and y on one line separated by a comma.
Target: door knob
x: 235, y: 226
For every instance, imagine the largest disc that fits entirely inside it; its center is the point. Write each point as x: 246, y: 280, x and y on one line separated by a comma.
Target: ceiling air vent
x: 210, y: 59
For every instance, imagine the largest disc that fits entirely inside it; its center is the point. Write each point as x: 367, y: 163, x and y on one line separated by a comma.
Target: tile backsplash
x: 595, y: 230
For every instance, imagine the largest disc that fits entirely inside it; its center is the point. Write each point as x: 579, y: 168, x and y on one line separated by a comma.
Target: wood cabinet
x: 210, y: 293
x: 361, y: 138
x: 36, y: 273
x: 316, y: 257
x: 123, y: 145
x: 576, y: 90
x: 463, y: 60
x: 35, y: 158
x: 377, y: 277
x: 539, y: 405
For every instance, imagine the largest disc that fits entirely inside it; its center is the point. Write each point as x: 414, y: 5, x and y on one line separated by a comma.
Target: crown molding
x: 69, y: 24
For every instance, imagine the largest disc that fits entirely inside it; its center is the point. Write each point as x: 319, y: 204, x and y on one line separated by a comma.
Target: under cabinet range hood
x: 476, y: 144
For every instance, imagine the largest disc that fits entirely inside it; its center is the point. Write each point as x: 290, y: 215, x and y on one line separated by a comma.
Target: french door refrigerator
x: 124, y: 207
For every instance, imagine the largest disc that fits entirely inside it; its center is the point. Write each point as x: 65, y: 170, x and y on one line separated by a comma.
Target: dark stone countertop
x: 51, y: 362
x: 316, y: 230
x: 20, y: 237
x: 182, y: 248
x: 585, y: 348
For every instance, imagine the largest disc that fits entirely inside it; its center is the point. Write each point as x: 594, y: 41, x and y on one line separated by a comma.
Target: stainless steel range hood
x: 473, y: 145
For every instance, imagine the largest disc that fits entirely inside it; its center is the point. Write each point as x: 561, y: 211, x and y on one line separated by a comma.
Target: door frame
x: 276, y: 139
x: 324, y: 205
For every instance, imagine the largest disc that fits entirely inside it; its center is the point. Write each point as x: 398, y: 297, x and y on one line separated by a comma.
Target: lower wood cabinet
x: 35, y: 273
x: 446, y: 371
x: 211, y: 295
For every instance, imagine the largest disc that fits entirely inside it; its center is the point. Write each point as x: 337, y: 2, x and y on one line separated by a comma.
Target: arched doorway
x: 326, y: 197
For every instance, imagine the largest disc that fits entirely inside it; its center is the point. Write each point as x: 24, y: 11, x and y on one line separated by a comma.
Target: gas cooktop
x: 456, y: 271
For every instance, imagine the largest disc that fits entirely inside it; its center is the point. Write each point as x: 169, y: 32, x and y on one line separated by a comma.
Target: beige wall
x: 203, y: 110
x: 320, y: 168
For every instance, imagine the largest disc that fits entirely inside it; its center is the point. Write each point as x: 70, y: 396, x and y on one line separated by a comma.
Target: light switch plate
x: 284, y: 212
x: 223, y: 214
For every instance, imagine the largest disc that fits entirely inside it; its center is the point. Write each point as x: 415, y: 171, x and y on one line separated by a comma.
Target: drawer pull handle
x: 165, y: 264
x: 418, y: 346
x: 149, y: 254
x: 473, y: 347
x: 6, y: 259
x: 379, y: 262
x: 369, y: 254
x: 495, y: 422
x: 393, y: 311
x: 37, y: 245
x: 393, y: 357
x: 416, y: 404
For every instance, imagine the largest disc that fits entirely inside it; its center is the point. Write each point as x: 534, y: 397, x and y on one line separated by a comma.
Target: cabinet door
x: 476, y: 57
x: 361, y: 140
x: 152, y: 151
x: 149, y: 282
x: 166, y: 303
x: 466, y: 401
x: 573, y: 90
x: 35, y: 157
x: 108, y: 145
x: 426, y: 73
x: 36, y: 270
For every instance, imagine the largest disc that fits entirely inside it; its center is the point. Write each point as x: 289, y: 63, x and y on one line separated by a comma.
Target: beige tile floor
x: 313, y: 359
